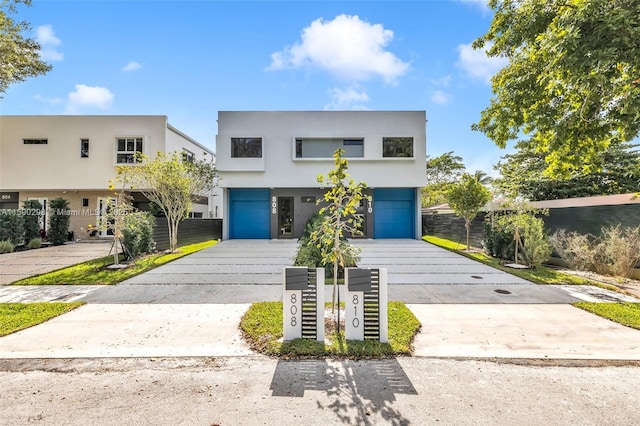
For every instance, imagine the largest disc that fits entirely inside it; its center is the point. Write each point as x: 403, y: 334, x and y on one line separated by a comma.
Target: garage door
x: 394, y: 213
x: 249, y: 213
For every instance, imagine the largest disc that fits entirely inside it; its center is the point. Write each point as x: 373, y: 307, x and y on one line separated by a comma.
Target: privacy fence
x: 190, y: 231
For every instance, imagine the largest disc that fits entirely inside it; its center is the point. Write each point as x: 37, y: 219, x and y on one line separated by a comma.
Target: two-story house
x: 269, y: 162
x: 75, y: 157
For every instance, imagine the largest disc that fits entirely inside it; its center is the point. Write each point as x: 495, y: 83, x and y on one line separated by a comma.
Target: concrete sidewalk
x: 23, y: 264
x: 458, y: 331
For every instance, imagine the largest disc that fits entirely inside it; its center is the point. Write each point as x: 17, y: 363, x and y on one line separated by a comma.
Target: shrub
x: 620, y: 249
x: 32, y: 217
x: 498, y: 241
x: 59, y: 221
x: 137, y: 233
x: 12, y: 226
x: 34, y: 243
x: 6, y: 246
x: 578, y: 250
x: 537, y: 248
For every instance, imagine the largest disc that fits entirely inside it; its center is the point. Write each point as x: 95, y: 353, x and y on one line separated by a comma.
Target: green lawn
x: 18, y: 316
x: 94, y: 271
x: 262, y: 328
x: 541, y: 275
x: 623, y: 313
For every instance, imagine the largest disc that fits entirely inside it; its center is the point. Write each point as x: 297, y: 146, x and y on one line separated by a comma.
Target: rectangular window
x: 246, y: 147
x: 397, y: 147
x: 84, y: 148
x: 126, y: 150
x: 85, y: 202
x: 314, y: 147
x: 35, y: 141
x: 308, y: 199
x: 188, y: 156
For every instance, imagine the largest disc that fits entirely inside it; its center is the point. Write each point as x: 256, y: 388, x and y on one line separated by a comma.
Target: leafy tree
x: 33, y: 214
x: 12, y: 227
x: 172, y: 183
x: 522, y: 176
x: 442, y: 172
x: 19, y: 56
x: 343, y: 199
x: 466, y: 198
x: 59, y: 221
x: 572, y: 85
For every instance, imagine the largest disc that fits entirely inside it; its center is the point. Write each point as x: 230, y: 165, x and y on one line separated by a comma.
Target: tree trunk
x: 467, y: 225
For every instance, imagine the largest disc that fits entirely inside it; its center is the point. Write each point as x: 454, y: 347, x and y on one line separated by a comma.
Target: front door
x: 105, y: 219
x: 285, y: 217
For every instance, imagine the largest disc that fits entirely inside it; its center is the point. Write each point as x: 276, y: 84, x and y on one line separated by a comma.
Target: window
x: 397, y: 147
x: 246, y: 147
x: 35, y: 141
x: 84, y: 148
x: 85, y: 202
x: 188, y: 156
x: 325, y: 147
x: 308, y: 199
x: 126, y: 150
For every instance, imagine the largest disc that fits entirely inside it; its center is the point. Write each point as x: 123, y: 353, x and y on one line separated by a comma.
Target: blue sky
x: 190, y: 59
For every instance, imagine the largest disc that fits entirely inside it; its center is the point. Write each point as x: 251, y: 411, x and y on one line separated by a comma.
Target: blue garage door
x: 394, y: 213
x: 249, y: 213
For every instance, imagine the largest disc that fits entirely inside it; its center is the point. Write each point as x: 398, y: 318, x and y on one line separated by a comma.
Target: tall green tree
x: 172, y: 183
x: 343, y: 199
x: 571, y: 88
x: 466, y: 198
x: 442, y: 172
x: 59, y: 221
x: 522, y: 176
x: 19, y: 55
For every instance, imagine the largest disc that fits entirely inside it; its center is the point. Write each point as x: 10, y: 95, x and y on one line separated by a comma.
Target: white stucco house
x: 269, y: 161
x: 74, y: 157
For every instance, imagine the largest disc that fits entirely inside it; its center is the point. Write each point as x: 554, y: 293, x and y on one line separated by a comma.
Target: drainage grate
x: 477, y: 277
x: 501, y: 291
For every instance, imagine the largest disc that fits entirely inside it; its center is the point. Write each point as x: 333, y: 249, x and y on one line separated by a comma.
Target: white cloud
x: 89, y: 96
x: 50, y: 101
x: 439, y: 97
x: 132, y: 66
x: 48, y: 42
x: 346, y: 47
x: 482, y: 4
x: 442, y: 81
x: 477, y: 64
x: 347, y: 99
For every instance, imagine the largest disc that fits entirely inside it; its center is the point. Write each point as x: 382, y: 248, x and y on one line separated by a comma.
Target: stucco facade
x: 75, y: 157
x: 269, y: 162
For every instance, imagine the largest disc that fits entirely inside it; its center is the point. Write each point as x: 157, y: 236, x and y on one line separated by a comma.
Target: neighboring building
x: 75, y: 157
x: 269, y: 162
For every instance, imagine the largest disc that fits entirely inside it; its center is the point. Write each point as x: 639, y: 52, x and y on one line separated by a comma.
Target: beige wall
x: 58, y: 165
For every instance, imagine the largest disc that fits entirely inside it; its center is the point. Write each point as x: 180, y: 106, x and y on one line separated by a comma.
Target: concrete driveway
x: 193, y: 306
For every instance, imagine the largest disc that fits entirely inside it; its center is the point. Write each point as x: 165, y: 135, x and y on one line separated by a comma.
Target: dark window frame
x: 35, y: 141
x: 396, y: 147
x: 84, y: 148
x: 127, y: 147
x: 249, y: 147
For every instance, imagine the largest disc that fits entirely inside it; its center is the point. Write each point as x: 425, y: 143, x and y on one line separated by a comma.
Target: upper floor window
x: 397, y: 147
x: 126, y: 150
x: 188, y: 156
x: 84, y: 148
x: 246, y: 147
x: 35, y: 141
x: 325, y: 147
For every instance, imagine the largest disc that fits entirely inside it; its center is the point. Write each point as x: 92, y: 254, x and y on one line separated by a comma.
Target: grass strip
x: 95, y: 271
x: 18, y: 316
x: 623, y: 313
x: 262, y: 328
x: 540, y: 275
